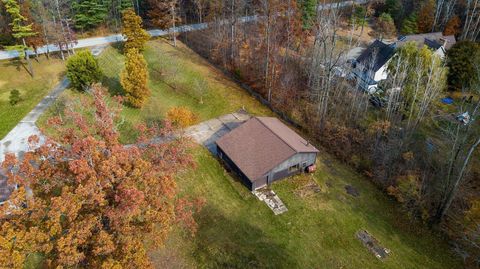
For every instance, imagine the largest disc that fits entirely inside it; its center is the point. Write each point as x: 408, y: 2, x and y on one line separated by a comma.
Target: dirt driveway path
x: 207, y: 132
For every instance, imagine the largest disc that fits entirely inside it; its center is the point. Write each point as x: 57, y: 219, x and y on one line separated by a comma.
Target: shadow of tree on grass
x: 113, y: 85
x: 228, y: 242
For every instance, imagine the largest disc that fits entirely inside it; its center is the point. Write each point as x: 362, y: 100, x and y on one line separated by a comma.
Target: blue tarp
x: 447, y: 100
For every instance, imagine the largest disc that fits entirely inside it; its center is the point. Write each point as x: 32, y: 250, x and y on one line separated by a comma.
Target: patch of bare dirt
x: 372, y: 244
x: 308, y: 189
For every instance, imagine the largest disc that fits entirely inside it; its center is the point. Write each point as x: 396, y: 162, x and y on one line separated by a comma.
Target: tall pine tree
x: 20, y: 30
x: 115, y: 9
x: 88, y: 14
x: 309, y: 11
x: 410, y: 25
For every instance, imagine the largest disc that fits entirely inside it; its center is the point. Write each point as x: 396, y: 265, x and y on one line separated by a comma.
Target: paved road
x: 104, y: 40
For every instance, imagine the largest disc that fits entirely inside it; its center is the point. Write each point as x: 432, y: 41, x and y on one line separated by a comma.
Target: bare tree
x: 164, y: 14
x: 464, y: 139
x: 200, y: 6
x: 471, y: 28
x: 324, y: 59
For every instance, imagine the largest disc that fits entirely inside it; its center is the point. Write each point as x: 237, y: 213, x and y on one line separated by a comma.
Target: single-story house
x: 371, y: 66
x: 263, y: 150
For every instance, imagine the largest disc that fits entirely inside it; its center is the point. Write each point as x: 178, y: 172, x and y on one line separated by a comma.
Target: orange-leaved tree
x: 453, y: 26
x: 85, y: 200
x: 426, y: 17
x: 181, y: 117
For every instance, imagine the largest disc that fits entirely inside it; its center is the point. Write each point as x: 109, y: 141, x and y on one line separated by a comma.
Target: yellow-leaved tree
x: 132, y: 30
x: 134, y: 78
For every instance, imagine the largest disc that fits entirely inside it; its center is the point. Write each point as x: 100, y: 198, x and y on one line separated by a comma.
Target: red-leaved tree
x: 85, y: 200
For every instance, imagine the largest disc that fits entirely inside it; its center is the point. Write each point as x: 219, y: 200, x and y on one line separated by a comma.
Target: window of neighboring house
x: 294, y: 168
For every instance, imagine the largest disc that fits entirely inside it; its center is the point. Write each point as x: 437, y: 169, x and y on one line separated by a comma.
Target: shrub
x: 14, y: 97
x: 181, y: 117
x: 83, y: 70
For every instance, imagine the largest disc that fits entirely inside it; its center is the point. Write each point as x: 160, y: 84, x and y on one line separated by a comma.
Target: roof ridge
x: 288, y: 144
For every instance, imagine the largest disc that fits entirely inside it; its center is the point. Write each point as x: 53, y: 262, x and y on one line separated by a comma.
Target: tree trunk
x: 444, y: 208
x: 174, y: 30
x: 27, y: 57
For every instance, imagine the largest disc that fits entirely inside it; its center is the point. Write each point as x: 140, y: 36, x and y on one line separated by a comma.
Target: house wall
x: 281, y: 171
x: 234, y: 168
x: 382, y: 73
x: 440, y: 52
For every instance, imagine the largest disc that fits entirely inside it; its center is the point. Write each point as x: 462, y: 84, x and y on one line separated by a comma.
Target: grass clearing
x: 175, y: 76
x: 238, y: 231
x: 14, y: 75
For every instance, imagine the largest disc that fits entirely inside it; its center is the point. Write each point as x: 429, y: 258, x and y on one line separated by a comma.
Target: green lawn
x: 175, y: 75
x: 13, y: 75
x: 238, y: 231
x: 174, y: 78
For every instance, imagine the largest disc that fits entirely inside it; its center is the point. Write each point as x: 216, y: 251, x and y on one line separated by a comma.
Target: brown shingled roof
x: 260, y: 144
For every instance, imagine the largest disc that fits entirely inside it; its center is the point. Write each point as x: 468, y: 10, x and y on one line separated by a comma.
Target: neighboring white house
x: 371, y: 66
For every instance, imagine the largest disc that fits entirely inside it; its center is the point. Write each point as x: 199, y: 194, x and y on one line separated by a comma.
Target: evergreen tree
x: 83, y: 70
x: 20, y: 30
x: 395, y: 9
x: 134, y: 78
x: 88, y: 14
x: 409, y: 25
x: 115, y: 9
x: 463, y: 61
x: 132, y: 30
x: 385, y: 25
x: 309, y: 11
x: 358, y: 16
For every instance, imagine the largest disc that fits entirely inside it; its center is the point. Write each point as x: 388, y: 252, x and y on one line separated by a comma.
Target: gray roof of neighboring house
x: 376, y: 55
x: 261, y: 144
x: 431, y: 40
